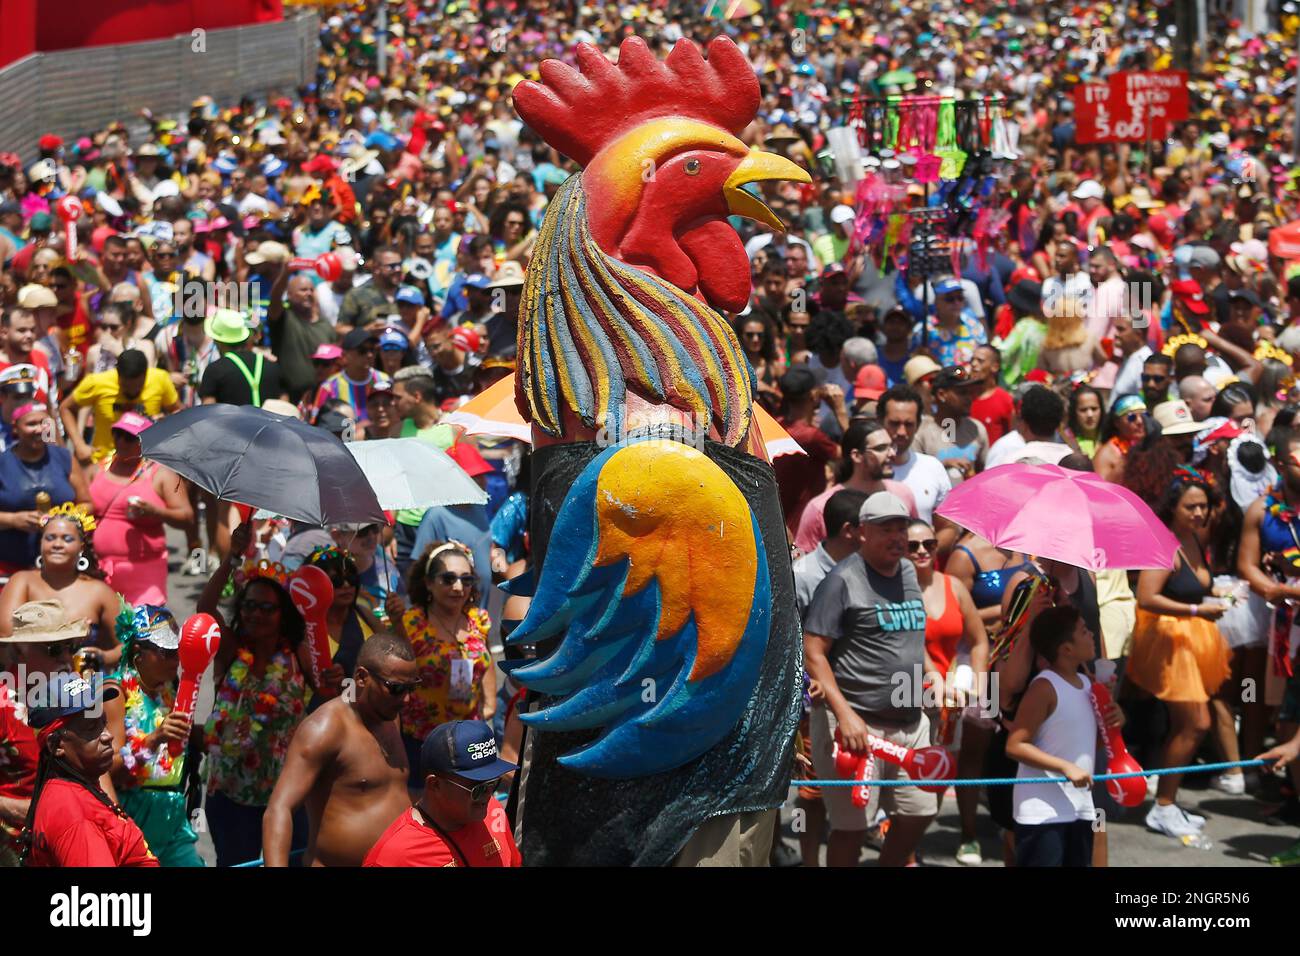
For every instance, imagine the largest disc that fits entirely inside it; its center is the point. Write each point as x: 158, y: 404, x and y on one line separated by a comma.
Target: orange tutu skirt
x: 1180, y: 659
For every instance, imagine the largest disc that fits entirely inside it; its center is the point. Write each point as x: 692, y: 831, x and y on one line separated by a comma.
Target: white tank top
x: 1071, y: 734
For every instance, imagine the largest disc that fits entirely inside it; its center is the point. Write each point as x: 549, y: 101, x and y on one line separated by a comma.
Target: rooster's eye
x: 692, y: 167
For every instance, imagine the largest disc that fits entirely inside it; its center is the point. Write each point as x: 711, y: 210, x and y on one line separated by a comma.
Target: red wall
x: 18, y: 33
x: 96, y: 23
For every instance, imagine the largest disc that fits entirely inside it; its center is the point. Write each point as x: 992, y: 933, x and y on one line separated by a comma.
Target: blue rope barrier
x: 1011, y: 781
x: 965, y: 782
x: 262, y: 862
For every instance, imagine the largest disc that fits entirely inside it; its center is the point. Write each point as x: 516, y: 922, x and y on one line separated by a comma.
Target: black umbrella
x: 253, y: 457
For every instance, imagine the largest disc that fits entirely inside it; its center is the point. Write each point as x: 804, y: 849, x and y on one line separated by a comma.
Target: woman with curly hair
x: 262, y: 677
x: 148, y: 778
x: 449, y: 632
x: 1178, y: 655
x: 68, y: 571
x: 1124, y: 427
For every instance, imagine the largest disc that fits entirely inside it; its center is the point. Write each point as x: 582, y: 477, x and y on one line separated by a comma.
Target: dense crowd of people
x: 353, y: 254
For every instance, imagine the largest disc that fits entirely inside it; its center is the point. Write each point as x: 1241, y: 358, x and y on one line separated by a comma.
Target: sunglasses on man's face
x: 1154, y: 378
x: 447, y: 579
x: 930, y: 544
x: 476, y: 793
x: 396, y: 688
x: 1133, y: 417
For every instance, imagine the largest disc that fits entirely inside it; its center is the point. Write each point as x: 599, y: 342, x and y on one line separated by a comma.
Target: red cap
x: 1038, y: 375
x: 1188, y: 293
x: 49, y: 142
x: 466, y: 339
x: 320, y: 164
x: 870, y: 383
x: 467, y: 456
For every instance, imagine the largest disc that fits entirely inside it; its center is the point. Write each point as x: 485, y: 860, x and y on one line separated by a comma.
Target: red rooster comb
x: 580, y: 111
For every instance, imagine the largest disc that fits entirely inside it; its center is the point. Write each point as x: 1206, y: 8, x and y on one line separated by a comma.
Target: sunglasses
x: 266, y: 607
x: 930, y: 544
x: 477, y: 793
x: 1154, y: 378
x: 953, y: 297
x: 395, y: 688
x: 1133, y: 417
x: 448, y: 579
x: 110, y: 326
x: 339, y: 580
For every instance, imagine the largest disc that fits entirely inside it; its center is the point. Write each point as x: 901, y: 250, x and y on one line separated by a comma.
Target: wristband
x: 1195, y: 610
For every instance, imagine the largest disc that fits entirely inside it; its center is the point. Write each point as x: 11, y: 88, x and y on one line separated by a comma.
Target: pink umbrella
x: 1070, y: 516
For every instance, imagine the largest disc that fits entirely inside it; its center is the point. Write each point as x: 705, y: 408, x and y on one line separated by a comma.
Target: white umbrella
x: 408, y: 473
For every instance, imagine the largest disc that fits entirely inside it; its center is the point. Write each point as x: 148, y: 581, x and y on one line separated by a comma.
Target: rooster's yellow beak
x: 757, y: 167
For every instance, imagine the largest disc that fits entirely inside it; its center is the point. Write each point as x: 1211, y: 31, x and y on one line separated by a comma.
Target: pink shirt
x: 812, y: 525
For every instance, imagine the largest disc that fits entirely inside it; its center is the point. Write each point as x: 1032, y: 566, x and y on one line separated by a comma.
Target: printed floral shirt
x: 252, y: 722
x: 144, y: 713
x: 437, y: 701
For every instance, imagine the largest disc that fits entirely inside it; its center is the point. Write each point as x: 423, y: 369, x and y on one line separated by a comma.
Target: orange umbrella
x: 493, y: 412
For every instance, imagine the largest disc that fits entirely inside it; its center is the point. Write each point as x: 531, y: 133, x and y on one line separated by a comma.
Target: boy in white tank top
x: 1056, y: 734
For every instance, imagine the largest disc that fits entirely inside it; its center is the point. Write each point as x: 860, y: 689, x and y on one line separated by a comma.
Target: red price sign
x: 1130, y: 107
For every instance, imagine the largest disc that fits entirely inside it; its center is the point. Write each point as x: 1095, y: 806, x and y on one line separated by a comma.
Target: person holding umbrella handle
x: 261, y: 676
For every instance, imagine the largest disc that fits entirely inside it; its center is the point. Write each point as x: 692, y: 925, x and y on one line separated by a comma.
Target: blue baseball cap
x: 393, y: 340
x: 948, y: 284
x: 477, y: 280
x: 465, y: 748
x: 410, y: 295
x: 69, y: 695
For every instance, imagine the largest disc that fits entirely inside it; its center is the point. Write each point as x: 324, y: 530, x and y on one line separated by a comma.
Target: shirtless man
x: 347, y: 763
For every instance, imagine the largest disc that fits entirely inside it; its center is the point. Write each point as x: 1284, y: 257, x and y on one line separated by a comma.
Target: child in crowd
x: 1056, y: 734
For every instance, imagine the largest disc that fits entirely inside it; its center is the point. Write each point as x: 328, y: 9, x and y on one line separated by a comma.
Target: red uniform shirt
x: 409, y: 841
x: 801, y: 478
x: 18, y: 757
x: 72, y: 828
x: 995, y: 411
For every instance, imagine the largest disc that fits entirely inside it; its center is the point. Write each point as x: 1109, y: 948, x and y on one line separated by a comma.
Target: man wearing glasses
x: 456, y: 821
x: 347, y: 764
x: 358, y: 376
x: 952, y: 332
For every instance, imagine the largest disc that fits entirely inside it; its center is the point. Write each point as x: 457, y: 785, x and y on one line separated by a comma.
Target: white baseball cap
x: 842, y: 214
x: 1089, y: 189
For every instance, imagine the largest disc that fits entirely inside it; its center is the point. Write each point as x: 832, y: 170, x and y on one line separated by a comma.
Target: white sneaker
x: 1152, y: 781
x: 1234, y: 783
x: 1171, y: 821
x: 1195, y: 819
x: 194, y: 564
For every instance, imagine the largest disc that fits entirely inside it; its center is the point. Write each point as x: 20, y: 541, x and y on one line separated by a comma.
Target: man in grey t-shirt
x: 864, y: 642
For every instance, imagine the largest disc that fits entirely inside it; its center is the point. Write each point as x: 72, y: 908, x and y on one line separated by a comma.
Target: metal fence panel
x: 72, y: 92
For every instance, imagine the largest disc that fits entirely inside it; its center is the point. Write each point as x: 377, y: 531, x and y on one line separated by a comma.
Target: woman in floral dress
x: 449, y: 632
x: 149, y: 779
x: 261, y: 698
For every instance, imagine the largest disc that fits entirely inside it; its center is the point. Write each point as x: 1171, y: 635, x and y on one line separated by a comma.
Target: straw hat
x: 39, y: 622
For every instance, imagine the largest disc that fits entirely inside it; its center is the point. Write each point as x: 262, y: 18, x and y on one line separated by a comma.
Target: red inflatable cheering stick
x: 69, y: 209
x: 312, y: 593
x: 922, y: 764
x: 200, y: 638
x: 1129, y: 791
x: 328, y: 266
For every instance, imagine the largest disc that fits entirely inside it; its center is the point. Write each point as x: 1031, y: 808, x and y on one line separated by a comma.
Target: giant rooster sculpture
x: 666, y: 689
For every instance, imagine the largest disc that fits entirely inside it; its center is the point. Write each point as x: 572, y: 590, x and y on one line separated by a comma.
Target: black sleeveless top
x: 1183, y: 585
